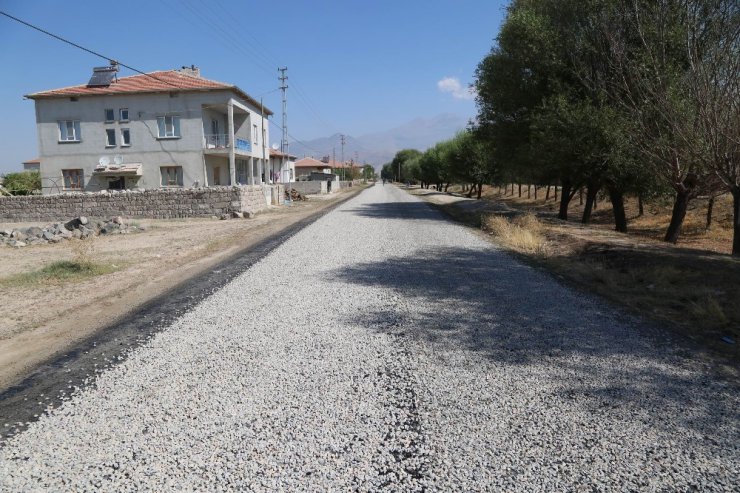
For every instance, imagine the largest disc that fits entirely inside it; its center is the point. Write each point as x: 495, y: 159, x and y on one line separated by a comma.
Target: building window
x: 73, y: 179
x: 171, y: 176
x: 123, y: 114
x: 69, y: 131
x: 125, y: 137
x: 110, y: 137
x: 168, y: 127
x: 256, y: 135
x: 110, y: 115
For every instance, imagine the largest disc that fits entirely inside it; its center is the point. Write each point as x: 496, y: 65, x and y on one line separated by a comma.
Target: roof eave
x: 235, y: 89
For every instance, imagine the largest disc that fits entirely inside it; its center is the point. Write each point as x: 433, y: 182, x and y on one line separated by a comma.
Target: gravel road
x: 384, y: 348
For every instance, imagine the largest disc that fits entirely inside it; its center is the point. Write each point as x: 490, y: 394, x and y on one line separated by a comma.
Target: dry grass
x: 692, y: 290
x: 83, y: 265
x: 523, y: 234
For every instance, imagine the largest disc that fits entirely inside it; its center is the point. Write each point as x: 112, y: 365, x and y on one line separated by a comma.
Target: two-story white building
x: 163, y: 129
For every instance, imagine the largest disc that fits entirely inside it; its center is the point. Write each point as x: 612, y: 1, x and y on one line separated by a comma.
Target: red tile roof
x: 276, y: 153
x: 309, y: 162
x: 32, y: 161
x: 153, y: 82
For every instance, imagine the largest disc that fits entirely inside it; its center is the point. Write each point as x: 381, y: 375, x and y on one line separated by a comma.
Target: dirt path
x: 40, y: 321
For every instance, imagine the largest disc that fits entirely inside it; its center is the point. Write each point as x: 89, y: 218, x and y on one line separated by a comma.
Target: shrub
x: 22, y: 183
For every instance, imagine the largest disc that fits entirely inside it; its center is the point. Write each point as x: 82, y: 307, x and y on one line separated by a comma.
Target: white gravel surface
x: 384, y: 348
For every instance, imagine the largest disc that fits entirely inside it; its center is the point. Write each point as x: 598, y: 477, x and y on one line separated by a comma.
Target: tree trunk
x: 580, y: 196
x: 480, y: 189
x: 447, y: 186
x: 735, y: 221
x: 710, y: 207
x: 640, y: 206
x: 471, y: 191
x: 565, y: 196
x: 529, y: 191
x: 535, y: 192
x: 547, y: 195
x: 555, y: 194
x: 520, y: 190
x: 591, y: 191
x: 680, y: 204
x: 620, y: 218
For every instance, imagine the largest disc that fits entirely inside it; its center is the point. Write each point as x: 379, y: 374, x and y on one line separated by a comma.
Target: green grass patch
x: 59, y: 272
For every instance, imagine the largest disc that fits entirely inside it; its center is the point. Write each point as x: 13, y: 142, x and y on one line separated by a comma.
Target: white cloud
x: 453, y: 86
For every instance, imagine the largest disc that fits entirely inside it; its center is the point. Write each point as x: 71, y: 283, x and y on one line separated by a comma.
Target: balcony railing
x: 216, y: 141
x: 221, y: 141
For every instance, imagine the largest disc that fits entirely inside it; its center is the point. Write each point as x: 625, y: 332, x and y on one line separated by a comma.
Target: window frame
x: 76, y: 179
x: 175, y: 124
x: 120, y: 115
x: 76, y: 131
x: 178, y: 176
x: 110, y: 132
x: 112, y: 119
x: 124, y: 143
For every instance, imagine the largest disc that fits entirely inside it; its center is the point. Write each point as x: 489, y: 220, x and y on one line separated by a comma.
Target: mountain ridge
x: 378, y: 148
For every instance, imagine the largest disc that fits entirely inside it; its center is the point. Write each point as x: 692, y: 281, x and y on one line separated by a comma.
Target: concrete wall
x: 310, y: 187
x: 195, y: 110
x: 162, y: 203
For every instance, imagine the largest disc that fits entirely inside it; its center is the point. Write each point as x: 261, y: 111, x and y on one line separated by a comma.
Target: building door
x: 118, y: 183
x: 217, y: 175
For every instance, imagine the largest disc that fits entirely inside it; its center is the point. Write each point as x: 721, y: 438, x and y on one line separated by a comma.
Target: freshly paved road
x: 384, y: 348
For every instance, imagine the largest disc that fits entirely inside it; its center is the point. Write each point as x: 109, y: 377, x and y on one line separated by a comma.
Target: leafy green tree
x: 22, y: 183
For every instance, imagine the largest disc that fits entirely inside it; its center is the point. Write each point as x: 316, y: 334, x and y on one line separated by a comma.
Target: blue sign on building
x: 243, y: 145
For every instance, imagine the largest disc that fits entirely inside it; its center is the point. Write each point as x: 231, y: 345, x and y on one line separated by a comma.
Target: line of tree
x: 623, y: 97
x: 619, y: 97
x: 467, y: 159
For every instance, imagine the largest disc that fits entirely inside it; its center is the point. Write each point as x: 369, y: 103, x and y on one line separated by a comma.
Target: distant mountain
x: 380, y: 147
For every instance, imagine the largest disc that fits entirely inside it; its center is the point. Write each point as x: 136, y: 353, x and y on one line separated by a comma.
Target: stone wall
x: 160, y: 203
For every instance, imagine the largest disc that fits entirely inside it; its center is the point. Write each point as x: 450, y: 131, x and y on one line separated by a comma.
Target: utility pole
x: 284, y: 141
x: 342, y: 139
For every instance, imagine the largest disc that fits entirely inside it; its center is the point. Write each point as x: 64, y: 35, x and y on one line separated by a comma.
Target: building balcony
x: 219, y: 144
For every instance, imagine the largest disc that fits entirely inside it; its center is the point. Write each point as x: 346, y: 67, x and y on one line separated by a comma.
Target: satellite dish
x: 118, y: 159
x: 104, y: 161
x: 274, y: 147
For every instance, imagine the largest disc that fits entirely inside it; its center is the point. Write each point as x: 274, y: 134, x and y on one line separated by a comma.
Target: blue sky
x: 354, y: 67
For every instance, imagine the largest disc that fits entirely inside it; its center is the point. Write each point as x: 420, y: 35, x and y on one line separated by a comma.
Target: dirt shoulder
x: 692, y: 292
x: 43, y: 320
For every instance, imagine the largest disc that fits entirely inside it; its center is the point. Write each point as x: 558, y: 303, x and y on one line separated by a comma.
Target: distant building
x: 169, y: 128
x: 282, y: 167
x: 32, y: 165
x: 304, y: 167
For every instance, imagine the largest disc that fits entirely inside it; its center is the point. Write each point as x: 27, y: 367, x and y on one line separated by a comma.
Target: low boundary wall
x: 310, y: 187
x: 153, y: 204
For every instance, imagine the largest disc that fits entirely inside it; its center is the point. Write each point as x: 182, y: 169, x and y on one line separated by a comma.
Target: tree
x: 400, y: 160
x: 22, y: 183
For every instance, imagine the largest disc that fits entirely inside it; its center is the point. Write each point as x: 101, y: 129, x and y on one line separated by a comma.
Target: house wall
x: 281, y: 168
x: 161, y: 203
x: 220, y: 162
x: 146, y: 147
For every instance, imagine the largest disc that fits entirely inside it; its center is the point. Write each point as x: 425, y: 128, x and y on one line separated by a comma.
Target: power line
x: 255, y: 52
x: 71, y: 43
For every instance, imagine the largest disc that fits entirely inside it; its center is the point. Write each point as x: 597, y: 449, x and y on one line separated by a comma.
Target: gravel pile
x: 386, y: 349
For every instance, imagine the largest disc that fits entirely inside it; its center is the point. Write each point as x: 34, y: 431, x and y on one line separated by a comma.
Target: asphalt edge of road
x: 50, y: 383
